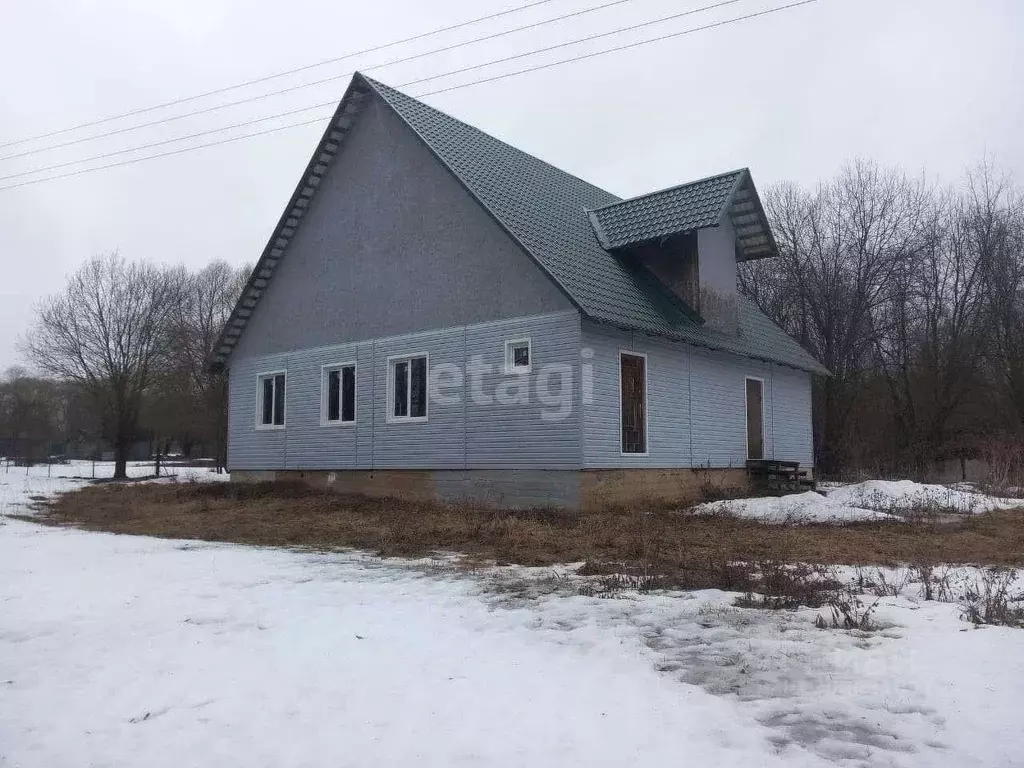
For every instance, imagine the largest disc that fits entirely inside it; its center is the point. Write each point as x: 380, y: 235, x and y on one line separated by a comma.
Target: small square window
x: 517, y: 356
x: 270, y: 401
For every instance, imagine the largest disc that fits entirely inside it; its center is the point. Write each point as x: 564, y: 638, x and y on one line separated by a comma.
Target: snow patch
x: 794, y: 509
x: 903, y: 496
x: 870, y: 500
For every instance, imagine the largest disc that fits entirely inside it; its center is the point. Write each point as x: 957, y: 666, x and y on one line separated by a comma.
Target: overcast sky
x: 930, y: 85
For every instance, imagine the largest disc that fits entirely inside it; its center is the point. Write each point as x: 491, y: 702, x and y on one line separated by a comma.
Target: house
x: 440, y: 315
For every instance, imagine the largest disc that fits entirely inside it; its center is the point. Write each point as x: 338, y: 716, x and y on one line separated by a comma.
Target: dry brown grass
x: 639, y: 540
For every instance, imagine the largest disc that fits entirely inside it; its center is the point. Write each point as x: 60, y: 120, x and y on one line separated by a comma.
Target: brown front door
x: 755, y: 419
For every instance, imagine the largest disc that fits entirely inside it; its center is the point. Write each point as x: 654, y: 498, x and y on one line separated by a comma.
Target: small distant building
x: 440, y: 315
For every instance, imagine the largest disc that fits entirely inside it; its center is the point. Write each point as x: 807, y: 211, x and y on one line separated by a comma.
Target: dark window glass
x: 755, y: 419
x: 279, y: 399
x: 521, y: 356
x: 632, y: 371
x: 348, y: 394
x: 333, y: 395
x: 267, y: 415
x: 401, y: 389
x: 418, y: 391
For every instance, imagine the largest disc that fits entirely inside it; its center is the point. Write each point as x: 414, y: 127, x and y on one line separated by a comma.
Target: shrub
x: 848, y: 611
x: 890, y: 586
x: 780, y: 586
x: 934, y: 585
x: 989, y: 601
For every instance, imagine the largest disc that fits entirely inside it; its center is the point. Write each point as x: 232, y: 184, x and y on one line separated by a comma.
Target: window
x: 517, y: 356
x: 407, y: 388
x: 270, y: 404
x: 755, y: 418
x: 633, y: 402
x: 338, y: 394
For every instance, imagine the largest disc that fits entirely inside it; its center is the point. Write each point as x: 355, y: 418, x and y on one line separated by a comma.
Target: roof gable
x: 688, y: 207
x: 545, y: 210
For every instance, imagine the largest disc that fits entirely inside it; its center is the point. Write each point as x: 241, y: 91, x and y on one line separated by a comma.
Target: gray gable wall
x: 392, y: 244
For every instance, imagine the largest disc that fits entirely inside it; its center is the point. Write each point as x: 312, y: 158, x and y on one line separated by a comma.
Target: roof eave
x: 298, y: 206
x: 745, y: 183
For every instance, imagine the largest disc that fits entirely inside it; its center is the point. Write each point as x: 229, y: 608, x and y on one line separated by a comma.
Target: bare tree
x: 929, y: 337
x: 914, y: 297
x: 996, y: 222
x: 841, y: 247
x: 211, y: 295
x: 107, y: 330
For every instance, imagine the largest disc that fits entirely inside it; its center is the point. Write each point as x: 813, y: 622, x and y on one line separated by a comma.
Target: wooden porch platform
x: 778, y: 476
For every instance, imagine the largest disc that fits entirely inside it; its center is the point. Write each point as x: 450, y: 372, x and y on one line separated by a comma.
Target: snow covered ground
x: 19, y: 484
x: 127, y: 651
x: 796, y: 508
x: 869, y: 500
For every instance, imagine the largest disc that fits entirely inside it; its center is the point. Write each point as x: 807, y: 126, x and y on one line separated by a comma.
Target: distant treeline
x: 912, y: 294
x: 123, y: 350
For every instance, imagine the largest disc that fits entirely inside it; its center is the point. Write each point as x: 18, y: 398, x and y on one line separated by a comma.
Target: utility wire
x: 311, y: 84
x: 621, y: 47
x: 588, y: 38
x: 276, y: 75
x: 172, y: 141
x: 165, y: 154
x: 526, y: 70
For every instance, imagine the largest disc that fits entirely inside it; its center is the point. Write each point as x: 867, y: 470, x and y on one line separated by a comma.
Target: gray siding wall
x: 457, y: 435
x: 716, y: 247
x: 791, y: 399
x: 696, y: 405
x: 392, y: 244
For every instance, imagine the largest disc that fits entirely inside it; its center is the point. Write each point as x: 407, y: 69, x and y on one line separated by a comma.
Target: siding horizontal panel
x: 668, y: 422
x: 248, y: 447
x: 791, y: 402
x: 541, y: 428
x: 696, y: 402
x: 455, y: 435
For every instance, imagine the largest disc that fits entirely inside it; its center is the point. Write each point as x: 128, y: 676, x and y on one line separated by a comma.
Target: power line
x: 172, y: 141
x: 276, y: 75
x: 311, y: 84
x: 164, y: 154
x: 587, y: 39
x: 622, y: 47
x: 460, y: 70
x: 523, y: 71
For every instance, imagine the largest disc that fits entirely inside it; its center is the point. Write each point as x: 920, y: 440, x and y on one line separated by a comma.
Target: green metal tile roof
x: 546, y: 210
x: 685, y: 208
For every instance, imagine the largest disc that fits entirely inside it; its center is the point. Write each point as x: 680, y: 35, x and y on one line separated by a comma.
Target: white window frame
x: 259, y: 400
x: 389, y: 416
x: 510, y: 366
x: 325, y: 390
x: 746, y: 414
x: 647, y: 402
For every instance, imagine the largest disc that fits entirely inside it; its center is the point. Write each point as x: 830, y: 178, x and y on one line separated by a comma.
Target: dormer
x: 691, y: 237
